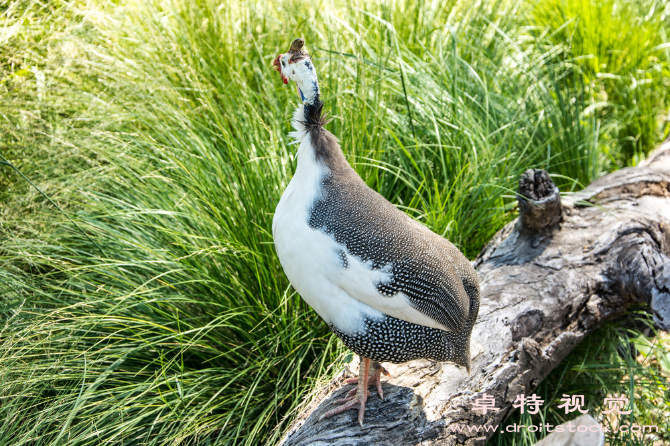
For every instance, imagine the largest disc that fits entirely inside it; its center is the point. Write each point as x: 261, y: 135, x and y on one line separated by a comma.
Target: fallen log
x: 547, y: 280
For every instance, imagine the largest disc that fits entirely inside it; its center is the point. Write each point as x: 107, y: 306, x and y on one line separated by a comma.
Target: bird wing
x: 425, y: 290
x: 389, y: 261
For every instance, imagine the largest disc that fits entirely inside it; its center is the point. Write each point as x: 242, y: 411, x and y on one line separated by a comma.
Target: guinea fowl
x: 387, y: 286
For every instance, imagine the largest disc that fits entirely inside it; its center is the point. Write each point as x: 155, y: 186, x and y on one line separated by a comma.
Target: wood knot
x: 539, y: 201
x: 527, y: 324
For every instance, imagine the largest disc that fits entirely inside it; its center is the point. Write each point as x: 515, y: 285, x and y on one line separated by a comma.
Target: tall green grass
x: 620, y: 48
x: 163, y: 315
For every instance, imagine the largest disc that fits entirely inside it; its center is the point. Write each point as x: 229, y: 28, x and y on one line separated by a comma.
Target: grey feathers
x: 435, y: 276
x: 391, y: 289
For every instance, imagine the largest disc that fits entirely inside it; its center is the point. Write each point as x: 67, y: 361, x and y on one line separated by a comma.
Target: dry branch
x: 547, y: 280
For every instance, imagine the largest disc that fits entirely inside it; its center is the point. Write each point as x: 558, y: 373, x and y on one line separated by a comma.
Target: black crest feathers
x: 314, y: 117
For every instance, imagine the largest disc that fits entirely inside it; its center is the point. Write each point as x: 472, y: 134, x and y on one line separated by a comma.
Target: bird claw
x: 375, y: 379
x: 380, y: 392
x: 349, y: 403
x: 350, y: 395
x: 360, y: 394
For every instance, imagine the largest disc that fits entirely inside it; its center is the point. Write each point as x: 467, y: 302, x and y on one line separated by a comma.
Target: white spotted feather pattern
x: 387, y: 286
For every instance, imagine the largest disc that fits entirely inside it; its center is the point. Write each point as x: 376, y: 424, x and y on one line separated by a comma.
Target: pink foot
x: 350, y: 403
x: 376, y: 371
x: 360, y: 394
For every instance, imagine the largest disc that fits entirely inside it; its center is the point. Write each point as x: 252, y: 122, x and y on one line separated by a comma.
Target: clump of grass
x: 160, y: 128
x: 619, y: 47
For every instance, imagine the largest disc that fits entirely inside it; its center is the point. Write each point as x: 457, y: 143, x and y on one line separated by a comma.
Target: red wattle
x: 285, y: 80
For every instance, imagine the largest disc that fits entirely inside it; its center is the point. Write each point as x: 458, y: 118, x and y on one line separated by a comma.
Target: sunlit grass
x: 161, y: 130
x: 620, y: 48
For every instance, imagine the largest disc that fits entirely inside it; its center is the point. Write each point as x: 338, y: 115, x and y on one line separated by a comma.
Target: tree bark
x: 547, y: 280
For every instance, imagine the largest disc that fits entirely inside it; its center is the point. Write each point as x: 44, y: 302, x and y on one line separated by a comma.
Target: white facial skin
x: 303, y: 74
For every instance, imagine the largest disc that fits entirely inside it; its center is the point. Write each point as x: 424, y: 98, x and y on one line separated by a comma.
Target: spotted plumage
x: 413, y: 263
x: 387, y: 286
x: 426, y: 268
x: 382, y: 338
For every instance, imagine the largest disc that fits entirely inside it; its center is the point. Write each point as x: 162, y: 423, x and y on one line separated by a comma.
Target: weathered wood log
x: 547, y: 280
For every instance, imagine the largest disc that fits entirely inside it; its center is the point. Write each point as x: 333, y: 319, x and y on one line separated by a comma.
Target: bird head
x: 296, y: 65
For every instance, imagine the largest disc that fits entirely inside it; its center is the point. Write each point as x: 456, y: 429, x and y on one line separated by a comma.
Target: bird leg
x: 374, y: 379
x: 360, y: 397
